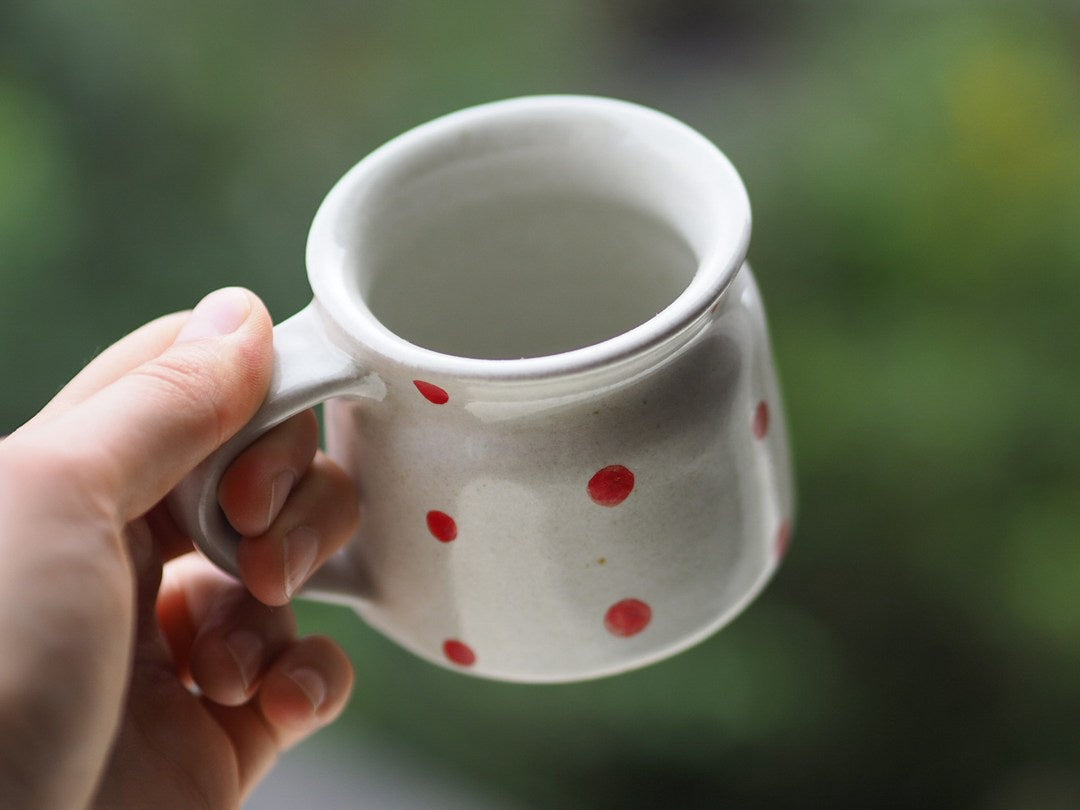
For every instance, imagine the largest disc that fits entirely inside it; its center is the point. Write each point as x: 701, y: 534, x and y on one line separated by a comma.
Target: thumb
x: 140, y: 435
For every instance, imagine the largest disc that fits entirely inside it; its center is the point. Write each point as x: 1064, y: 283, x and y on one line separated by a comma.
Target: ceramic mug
x: 545, y: 364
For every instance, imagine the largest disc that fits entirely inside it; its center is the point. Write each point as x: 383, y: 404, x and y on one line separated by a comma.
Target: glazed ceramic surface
x: 546, y: 366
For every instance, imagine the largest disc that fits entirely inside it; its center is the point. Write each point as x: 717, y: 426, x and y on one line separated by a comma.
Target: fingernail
x: 279, y: 491
x: 301, y: 549
x: 312, y: 684
x: 220, y: 313
x: 246, y: 649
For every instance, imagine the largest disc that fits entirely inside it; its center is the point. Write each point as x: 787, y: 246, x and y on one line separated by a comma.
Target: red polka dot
x: 627, y: 617
x: 783, y: 539
x: 459, y: 652
x: 432, y: 393
x: 441, y: 526
x: 611, y: 485
x: 761, y: 420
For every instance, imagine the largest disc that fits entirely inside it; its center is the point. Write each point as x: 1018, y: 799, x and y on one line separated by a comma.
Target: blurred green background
x: 915, y: 175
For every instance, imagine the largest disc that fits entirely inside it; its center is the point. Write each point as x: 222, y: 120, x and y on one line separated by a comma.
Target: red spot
x: 783, y: 539
x: 611, y: 486
x: 459, y: 652
x: 761, y: 420
x: 432, y: 393
x: 627, y: 617
x: 442, y: 526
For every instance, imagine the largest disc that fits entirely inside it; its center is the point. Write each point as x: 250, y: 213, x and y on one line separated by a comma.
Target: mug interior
x: 514, y: 272
x: 531, y: 228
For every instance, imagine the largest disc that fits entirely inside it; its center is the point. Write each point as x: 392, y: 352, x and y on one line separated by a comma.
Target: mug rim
x: 716, y: 267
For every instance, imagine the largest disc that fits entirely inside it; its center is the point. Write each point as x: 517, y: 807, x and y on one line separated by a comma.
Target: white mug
x: 545, y: 364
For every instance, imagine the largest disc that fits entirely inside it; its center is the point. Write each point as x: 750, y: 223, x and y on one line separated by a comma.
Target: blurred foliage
x: 915, y: 175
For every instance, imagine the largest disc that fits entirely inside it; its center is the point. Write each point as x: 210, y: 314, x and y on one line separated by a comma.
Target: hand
x: 123, y: 686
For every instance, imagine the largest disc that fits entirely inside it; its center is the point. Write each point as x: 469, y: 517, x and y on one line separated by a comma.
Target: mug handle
x: 308, y: 368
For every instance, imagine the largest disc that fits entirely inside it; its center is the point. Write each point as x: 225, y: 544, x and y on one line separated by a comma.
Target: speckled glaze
x: 554, y: 517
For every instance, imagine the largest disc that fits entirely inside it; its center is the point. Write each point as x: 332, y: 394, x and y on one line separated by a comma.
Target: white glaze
x: 536, y: 563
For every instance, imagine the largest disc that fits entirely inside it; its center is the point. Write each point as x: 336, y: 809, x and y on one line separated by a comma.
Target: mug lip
x: 717, y: 266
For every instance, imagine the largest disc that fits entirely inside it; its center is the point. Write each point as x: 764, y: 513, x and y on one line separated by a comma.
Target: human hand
x: 121, y: 686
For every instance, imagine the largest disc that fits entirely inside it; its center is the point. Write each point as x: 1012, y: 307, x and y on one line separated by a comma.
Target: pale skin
x: 135, y: 674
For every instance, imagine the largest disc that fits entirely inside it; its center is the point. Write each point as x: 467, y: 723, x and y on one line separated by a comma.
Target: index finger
x: 126, y: 354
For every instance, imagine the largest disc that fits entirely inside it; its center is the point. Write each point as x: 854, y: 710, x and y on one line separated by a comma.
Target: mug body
x: 577, y: 528
x: 576, y: 463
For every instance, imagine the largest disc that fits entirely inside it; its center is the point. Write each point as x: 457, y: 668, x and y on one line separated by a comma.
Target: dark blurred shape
x: 720, y: 31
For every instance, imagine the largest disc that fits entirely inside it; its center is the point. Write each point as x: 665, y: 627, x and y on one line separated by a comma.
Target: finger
x: 137, y: 437
x: 236, y: 638
x: 317, y: 519
x: 221, y: 638
x: 256, y: 485
x: 306, y: 688
x: 240, y: 639
x: 177, y: 626
x: 128, y: 353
